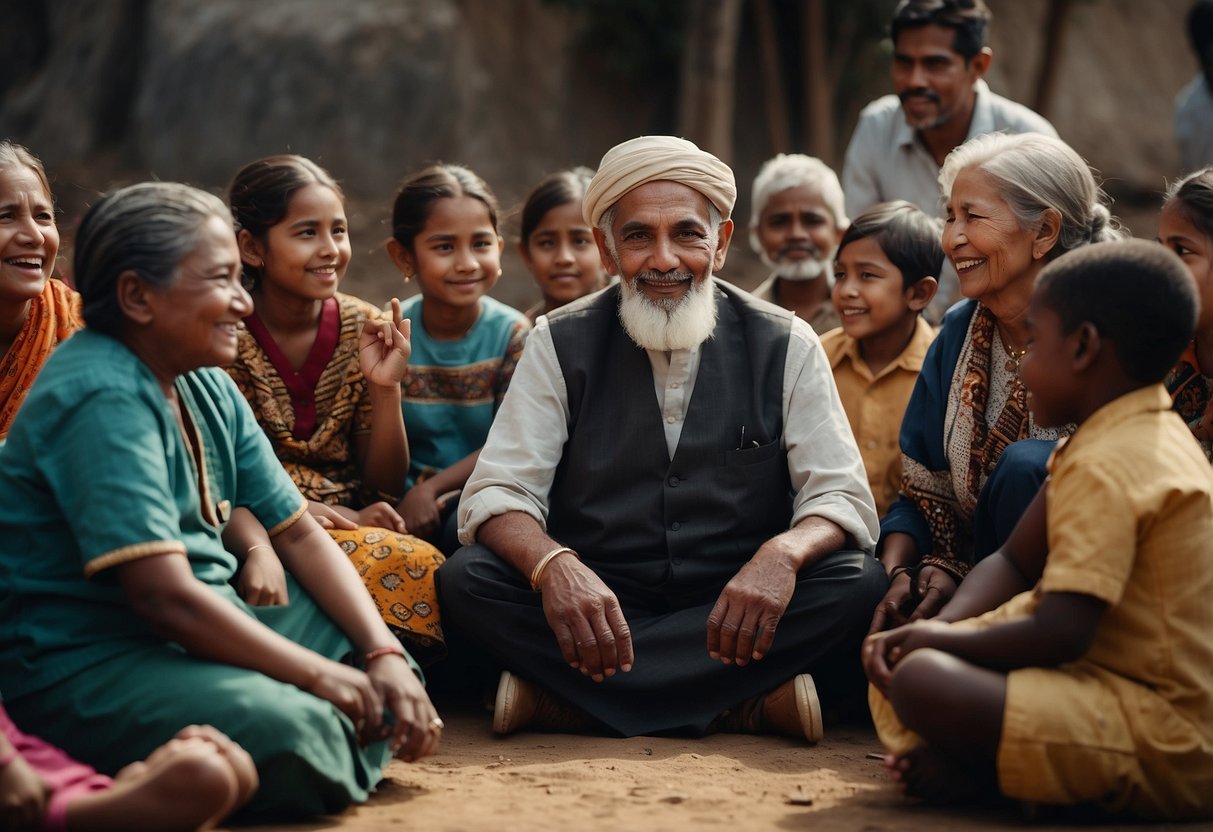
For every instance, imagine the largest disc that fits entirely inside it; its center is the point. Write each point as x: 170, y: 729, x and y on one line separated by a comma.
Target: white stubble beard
x: 798, y: 270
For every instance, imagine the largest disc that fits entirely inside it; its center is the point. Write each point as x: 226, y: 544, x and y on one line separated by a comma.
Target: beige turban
x: 652, y: 158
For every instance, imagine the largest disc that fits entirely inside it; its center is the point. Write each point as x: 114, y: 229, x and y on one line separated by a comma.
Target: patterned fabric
x: 398, y: 570
x: 967, y: 407
x: 452, y: 389
x: 322, y: 464
x: 1192, y: 398
x: 52, y: 317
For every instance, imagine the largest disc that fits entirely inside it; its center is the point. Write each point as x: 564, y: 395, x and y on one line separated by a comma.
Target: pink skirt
x: 67, y: 778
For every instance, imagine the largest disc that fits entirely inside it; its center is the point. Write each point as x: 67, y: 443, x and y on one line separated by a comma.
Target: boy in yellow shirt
x: 1079, y: 669
x: 884, y: 276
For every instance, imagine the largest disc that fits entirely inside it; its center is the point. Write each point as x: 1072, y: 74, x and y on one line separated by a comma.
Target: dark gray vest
x: 660, y: 530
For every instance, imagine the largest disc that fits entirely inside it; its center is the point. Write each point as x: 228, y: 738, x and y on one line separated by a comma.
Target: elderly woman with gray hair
x: 972, y: 456
x: 120, y: 473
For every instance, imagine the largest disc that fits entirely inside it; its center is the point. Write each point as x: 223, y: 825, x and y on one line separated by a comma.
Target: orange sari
x: 53, y: 315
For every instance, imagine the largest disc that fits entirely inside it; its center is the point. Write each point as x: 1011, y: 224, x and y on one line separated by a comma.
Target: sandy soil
x: 729, y: 782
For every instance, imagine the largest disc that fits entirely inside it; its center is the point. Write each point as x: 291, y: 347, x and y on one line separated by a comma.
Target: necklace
x: 1014, y: 357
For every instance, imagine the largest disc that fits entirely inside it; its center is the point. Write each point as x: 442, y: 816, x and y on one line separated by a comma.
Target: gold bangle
x: 537, y: 572
x: 258, y: 546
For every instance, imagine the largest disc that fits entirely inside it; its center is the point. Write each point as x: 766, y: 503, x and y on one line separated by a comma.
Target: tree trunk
x: 1056, y: 20
x: 818, y: 105
x: 775, y: 98
x: 705, y: 113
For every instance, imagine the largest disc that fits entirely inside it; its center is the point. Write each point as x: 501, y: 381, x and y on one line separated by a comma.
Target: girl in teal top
x: 465, y: 344
x: 121, y: 470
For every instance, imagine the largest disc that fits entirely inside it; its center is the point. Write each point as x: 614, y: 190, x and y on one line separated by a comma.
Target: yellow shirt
x: 1130, y: 508
x: 875, y: 404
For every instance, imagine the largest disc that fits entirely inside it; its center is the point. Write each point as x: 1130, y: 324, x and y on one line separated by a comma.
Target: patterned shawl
x: 985, y: 411
x: 1192, y: 398
x: 52, y: 317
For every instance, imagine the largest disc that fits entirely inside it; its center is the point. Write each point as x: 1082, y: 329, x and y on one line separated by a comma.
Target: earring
x: 499, y: 272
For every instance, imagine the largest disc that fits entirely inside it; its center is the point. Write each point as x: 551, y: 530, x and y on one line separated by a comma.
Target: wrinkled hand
x: 352, y: 693
x: 23, y: 796
x: 420, y: 509
x: 380, y: 515
x: 329, y: 517
x: 384, y: 348
x: 742, y: 625
x: 882, y: 651
x: 262, y: 581
x: 905, y: 602
x: 415, y: 728
x: 586, y: 619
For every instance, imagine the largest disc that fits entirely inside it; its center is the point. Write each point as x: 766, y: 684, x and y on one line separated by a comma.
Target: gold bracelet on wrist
x: 537, y: 572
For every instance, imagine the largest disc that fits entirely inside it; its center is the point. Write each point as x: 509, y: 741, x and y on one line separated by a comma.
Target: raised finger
x: 396, y: 318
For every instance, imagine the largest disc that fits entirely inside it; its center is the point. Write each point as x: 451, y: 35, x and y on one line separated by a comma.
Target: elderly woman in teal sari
x: 118, y: 624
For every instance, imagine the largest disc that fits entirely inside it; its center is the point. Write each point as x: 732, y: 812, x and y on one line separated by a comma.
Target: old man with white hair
x: 669, y: 529
x: 798, y: 216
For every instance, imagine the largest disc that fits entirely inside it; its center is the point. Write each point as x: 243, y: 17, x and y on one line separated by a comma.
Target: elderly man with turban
x: 669, y: 529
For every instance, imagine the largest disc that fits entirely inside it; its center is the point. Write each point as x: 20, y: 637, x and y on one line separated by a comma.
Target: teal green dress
x: 95, y: 474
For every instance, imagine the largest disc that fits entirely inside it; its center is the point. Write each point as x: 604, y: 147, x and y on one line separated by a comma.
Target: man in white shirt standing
x: 670, y: 525
x: 940, y: 101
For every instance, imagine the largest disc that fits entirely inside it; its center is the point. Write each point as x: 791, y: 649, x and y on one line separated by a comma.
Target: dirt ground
x: 540, y: 782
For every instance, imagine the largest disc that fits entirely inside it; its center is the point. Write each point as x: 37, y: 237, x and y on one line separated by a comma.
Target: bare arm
x: 1061, y: 629
x: 262, y: 581
x: 1014, y: 568
x: 420, y: 507
x: 383, y: 454
x: 582, y: 611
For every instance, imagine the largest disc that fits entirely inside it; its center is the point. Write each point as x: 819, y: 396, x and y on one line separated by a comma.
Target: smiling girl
x: 322, y: 372
x: 557, y: 245
x: 1186, y: 227
x: 36, y: 310
x: 465, y: 344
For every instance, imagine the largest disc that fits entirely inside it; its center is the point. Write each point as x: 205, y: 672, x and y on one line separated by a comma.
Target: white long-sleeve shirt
x: 524, y: 447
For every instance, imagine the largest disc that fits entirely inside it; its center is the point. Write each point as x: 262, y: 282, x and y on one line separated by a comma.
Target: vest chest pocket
x: 744, y: 457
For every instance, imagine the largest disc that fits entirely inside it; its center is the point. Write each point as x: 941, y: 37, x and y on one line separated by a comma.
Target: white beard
x: 685, y: 324
x: 797, y: 270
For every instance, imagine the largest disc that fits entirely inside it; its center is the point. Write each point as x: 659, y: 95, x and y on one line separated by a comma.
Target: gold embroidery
x: 133, y: 552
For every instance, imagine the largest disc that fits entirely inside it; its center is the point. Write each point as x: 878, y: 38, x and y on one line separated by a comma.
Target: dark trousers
x: 674, y: 686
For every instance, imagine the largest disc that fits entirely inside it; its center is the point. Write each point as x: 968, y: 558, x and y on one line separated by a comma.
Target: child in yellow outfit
x: 1089, y: 678
x: 884, y: 276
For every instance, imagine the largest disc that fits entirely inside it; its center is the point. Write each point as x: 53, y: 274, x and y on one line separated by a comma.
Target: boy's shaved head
x: 1137, y: 294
